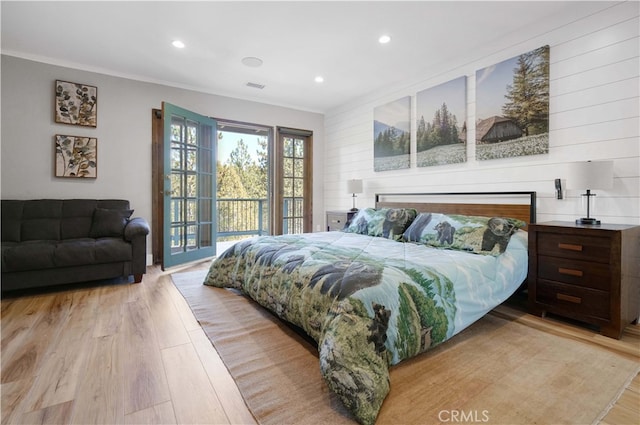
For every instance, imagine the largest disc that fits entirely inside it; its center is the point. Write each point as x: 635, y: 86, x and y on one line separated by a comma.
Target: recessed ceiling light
x: 384, y: 39
x: 178, y: 44
x: 252, y: 62
x: 319, y: 79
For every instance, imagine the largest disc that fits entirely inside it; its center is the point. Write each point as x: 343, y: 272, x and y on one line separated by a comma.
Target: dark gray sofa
x: 58, y: 241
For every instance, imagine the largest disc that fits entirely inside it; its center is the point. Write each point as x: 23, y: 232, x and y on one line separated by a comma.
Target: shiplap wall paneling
x: 594, y: 115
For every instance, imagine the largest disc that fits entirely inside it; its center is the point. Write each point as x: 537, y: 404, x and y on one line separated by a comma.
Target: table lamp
x: 354, y: 186
x: 590, y: 175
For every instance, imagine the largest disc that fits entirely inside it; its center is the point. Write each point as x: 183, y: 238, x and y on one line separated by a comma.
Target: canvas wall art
x: 441, y: 112
x: 392, y: 137
x: 76, y: 104
x: 76, y: 156
x: 512, y: 107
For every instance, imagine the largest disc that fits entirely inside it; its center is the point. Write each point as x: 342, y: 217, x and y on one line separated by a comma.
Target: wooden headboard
x: 520, y: 205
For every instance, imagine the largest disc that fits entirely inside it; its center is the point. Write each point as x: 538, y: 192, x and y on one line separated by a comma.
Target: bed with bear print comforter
x: 369, y: 301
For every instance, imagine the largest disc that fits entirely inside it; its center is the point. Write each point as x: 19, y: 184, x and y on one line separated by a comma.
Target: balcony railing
x: 242, y: 217
x: 238, y: 218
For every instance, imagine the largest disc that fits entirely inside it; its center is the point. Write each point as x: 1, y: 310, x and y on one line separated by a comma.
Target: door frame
x: 157, y: 186
x: 278, y: 195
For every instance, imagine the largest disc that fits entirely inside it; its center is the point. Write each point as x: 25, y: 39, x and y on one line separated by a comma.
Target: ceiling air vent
x: 255, y: 85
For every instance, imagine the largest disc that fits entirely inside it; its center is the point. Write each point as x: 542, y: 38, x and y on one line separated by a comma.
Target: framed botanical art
x: 76, y: 104
x: 441, y: 133
x: 512, y: 107
x: 391, y: 135
x: 76, y: 156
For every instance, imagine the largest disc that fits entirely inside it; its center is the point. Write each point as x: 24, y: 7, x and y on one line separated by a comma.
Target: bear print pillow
x: 480, y: 235
x: 388, y: 223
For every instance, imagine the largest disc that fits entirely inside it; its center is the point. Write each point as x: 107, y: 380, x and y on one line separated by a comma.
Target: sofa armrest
x: 137, y: 226
x: 136, y: 232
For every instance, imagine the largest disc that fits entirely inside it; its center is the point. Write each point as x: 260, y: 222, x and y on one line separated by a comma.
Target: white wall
x: 594, y: 115
x: 123, y: 132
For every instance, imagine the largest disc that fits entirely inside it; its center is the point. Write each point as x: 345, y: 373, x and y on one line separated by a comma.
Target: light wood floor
x: 134, y: 354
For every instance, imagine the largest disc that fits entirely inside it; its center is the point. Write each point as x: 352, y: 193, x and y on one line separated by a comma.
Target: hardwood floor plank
x: 635, y: 384
x: 26, y: 338
x: 24, y: 306
x: 223, y: 384
x: 100, y: 395
x: 145, y: 383
x: 56, y: 414
x: 629, y: 400
x: 194, y: 399
x: 620, y: 416
x: 64, y: 363
x: 111, y: 300
x: 13, y: 396
x: 159, y: 414
x: 186, y: 315
x: 164, y: 315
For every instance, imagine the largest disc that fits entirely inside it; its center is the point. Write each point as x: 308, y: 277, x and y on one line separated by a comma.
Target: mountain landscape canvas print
x: 391, y: 135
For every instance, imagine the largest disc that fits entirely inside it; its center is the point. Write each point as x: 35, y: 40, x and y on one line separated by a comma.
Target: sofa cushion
x: 109, y: 222
x: 41, y: 220
x: 109, y: 250
x: 38, y: 229
x: 29, y: 255
x: 11, y: 220
x: 75, y: 252
x: 38, y: 255
x: 77, y: 215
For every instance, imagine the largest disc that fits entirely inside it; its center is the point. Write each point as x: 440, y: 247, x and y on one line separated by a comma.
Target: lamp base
x: 588, y: 221
x: 354, y: 209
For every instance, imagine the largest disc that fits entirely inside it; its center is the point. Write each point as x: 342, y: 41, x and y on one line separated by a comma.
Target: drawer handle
x: 571, y: 299
x: 570, y: 272
x: 570, y: 247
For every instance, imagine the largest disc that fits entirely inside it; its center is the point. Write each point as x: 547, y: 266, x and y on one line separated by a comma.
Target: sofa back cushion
x: 41, y: 220
x: 11, y: 220
x: 76, y: 217
x: 52, y: 219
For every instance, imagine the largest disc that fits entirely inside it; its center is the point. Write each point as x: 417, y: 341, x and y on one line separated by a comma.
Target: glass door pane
x: 293, y: 178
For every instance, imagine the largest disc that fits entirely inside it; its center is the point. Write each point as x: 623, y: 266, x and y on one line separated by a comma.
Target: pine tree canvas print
x: 441, y: 128
x: 512, y: 107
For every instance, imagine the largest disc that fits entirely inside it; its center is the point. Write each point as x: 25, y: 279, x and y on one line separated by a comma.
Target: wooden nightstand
x: 587, y: 273
x: 338, y: 220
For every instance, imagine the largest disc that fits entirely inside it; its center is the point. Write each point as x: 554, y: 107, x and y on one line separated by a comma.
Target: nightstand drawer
x: 581, y: 273
x: 579, y: 301
x: 338, y: 220
x: 585, y: 248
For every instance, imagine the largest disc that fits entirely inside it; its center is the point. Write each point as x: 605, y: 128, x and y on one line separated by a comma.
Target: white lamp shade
x: 354, y: 186
x: 590, y: 175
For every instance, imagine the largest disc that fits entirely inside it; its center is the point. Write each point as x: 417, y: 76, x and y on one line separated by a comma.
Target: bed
x: 400, y: 279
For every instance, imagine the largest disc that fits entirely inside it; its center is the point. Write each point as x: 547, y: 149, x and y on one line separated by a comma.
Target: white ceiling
x: 296, y: 41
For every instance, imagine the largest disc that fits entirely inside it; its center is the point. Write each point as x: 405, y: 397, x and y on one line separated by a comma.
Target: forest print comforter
x: 369, y: 302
